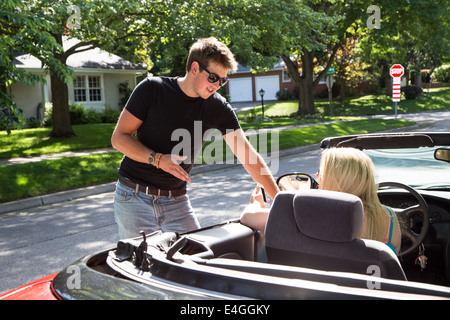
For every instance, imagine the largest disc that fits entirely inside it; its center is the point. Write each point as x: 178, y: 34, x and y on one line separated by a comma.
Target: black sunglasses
x: 213, y: 78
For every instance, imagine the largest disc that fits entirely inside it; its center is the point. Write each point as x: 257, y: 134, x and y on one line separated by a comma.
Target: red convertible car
x: 298, y: 256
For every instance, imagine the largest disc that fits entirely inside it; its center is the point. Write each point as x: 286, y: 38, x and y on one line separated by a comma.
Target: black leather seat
x: 318, y: 229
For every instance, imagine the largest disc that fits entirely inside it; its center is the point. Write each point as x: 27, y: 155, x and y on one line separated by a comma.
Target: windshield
x: 415, y: 167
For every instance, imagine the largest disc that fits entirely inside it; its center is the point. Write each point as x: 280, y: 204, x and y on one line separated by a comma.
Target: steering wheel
x: 404, y: 214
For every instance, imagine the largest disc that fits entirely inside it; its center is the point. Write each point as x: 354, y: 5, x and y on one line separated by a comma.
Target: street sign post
x: 396, y: 72
x: 329, y: 80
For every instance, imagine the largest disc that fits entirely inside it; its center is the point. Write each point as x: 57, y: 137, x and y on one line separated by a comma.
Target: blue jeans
x: 134, y: 212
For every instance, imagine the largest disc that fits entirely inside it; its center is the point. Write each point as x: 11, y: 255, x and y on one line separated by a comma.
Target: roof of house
x: 95, y: 58
x: 247, y: 69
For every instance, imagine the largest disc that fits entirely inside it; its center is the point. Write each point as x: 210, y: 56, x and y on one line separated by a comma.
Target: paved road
x: 42, y: 240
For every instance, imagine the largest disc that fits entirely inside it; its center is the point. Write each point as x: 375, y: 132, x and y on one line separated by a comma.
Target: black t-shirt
x: 172, y: 119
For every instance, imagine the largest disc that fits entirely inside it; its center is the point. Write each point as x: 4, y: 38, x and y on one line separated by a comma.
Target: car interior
x: 235, y: 260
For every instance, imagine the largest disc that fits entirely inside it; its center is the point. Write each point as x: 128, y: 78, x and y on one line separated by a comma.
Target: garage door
x: 240, y: 89
x: 270, y: 84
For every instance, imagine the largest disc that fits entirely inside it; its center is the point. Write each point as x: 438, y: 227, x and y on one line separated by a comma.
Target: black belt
x: 150, y: 190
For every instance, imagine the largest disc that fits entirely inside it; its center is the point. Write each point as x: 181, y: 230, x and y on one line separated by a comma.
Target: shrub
x: 411, y: 92
x: 110, y: 116
x: 283, y: 95
x: 91, y: 116
x: 80, y: 115
x: 442, y: 74
x: 76, y: 113
x: 32, y: 122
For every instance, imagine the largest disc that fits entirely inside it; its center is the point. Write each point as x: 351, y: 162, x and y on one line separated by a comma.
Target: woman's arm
x: 255, y: 214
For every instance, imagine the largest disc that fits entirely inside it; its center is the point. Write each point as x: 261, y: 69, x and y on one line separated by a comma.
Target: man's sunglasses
x: 213, y: 78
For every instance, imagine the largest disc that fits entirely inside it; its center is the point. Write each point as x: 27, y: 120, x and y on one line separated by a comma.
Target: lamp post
x: 261, y: 93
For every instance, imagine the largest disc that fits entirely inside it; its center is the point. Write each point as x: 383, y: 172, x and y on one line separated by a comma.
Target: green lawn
x: 32, y: 142
x: 437, y: 99
x: 29, y: 142
x: 48, y: 176
x: 38, y: 178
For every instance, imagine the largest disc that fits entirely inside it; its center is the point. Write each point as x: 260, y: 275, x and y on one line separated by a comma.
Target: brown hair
x: 208, y: 50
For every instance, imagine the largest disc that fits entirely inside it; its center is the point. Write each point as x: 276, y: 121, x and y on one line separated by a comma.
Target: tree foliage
x: 413, y: 33
x: 37, y: 27
x: 22, y: 32
x: 306, y: 34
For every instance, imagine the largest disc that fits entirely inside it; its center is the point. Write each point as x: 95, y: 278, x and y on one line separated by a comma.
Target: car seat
x: 318, y: 229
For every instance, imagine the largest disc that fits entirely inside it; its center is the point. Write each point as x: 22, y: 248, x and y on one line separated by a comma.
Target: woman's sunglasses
x: 213, y: 78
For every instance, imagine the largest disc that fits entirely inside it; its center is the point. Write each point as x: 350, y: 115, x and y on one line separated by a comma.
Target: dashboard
x: 438, y: 206
x: 438, y: 202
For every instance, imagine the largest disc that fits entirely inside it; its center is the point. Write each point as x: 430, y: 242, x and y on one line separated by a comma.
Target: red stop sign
x: 397, y: 70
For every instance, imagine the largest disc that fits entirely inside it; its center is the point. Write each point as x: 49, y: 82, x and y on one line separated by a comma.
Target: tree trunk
x: 306, y: 85
x: 62, y: 127
x: 306, y: 98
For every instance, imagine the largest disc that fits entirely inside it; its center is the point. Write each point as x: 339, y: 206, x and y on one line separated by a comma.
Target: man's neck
x: 186, y: 86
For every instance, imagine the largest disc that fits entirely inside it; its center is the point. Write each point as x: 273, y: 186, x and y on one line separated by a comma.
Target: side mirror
x: 442, y: 154
x: 296, y: 181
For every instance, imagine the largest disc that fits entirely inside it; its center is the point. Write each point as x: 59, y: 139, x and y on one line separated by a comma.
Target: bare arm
x: 122, y: 140
x: 255, y: 217
x: 253, y: 163
x: 255, y: 213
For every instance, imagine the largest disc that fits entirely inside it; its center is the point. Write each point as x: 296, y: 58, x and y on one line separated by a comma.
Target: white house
x: 96, y: 84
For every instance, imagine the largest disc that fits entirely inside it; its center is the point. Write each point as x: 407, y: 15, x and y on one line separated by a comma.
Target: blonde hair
x: 208, y: 50
x: 351, y: 171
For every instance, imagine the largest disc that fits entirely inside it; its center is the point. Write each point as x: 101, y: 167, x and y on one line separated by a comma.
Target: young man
x: 151, y: 190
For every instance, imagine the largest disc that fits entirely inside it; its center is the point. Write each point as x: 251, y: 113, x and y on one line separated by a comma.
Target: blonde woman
x: 351, y: 171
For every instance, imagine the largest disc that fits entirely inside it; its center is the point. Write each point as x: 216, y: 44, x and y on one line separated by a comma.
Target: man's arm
x: 253, y: 163
x: 122, y: 140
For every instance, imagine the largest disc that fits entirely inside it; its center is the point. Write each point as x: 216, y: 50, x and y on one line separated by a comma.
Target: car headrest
x: 328, y: 215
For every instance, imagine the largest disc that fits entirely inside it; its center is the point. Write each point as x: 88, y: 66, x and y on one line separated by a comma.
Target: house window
x: 95, y: 90
x: 87, y: 89
x: 79, y: 89
x: 286, y: 77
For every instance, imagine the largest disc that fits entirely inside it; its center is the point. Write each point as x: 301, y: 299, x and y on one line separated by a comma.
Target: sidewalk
x: 51, y: 156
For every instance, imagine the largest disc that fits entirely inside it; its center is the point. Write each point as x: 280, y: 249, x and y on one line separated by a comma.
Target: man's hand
x: 170, y: 164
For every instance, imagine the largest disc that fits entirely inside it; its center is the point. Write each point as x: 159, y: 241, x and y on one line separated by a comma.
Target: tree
x: 341, y: 21
x: 262, y: 32
x: 21, y: 32
x: 308, y: 34
x: 413, y: 33
x: 305, y: 34
x: 96, y: 23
